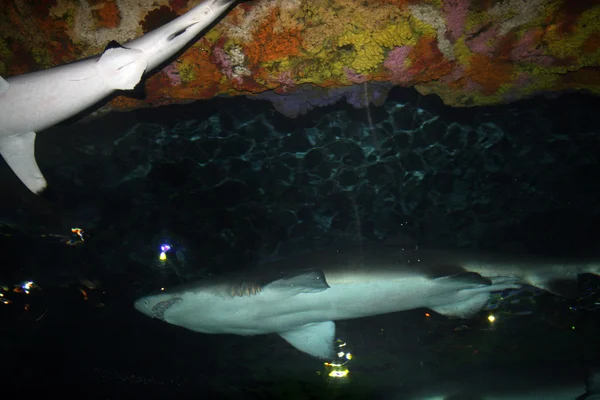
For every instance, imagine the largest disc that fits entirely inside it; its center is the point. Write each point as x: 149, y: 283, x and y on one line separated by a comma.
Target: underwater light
x: 491, y: 318
x: 339, y: 374
x: 164, y: 249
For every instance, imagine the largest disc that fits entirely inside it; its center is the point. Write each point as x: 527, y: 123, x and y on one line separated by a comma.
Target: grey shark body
x: 38, y: 100
x: 300, y: 298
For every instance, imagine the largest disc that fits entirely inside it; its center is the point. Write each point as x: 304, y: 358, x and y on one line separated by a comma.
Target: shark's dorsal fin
x: 305, y: 282
x: 19, y: 153
x: 315, y: 339
x: 122, y: 68
x: 3, y: 85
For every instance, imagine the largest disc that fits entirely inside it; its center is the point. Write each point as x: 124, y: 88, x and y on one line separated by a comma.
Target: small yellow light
x: 339, y: 374
x: 427, y: 314
x: 163, y: 256
x: 162, y: 288
x: 349, y: 356
x: 491, y: 318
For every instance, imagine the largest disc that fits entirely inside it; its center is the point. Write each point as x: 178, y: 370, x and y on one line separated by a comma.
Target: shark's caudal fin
x: 315, y: 339
x: 18, y: 152
x: 122, y: 68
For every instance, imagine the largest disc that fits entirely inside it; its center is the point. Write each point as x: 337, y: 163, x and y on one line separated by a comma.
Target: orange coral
x: 107, y: 15
x: 591, y: 44
x: 489, y: 73
x: 427, y: 61
x: 268, y: 45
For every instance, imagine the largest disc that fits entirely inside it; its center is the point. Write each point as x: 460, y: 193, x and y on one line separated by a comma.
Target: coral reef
x: 467, y: 52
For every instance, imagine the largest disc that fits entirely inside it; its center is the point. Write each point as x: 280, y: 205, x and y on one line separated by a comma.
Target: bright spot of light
x: 339, y: 374
x: 491, y: 318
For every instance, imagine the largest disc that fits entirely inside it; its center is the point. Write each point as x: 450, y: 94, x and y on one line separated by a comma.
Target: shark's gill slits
x: 245, y: 289
x: 158, y: 311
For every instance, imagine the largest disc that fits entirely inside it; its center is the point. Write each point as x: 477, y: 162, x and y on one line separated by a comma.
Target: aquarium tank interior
x: 300, y: 199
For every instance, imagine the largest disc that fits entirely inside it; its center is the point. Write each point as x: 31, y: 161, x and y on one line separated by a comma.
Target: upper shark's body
x: 35, y: 101
x: 300, y: 298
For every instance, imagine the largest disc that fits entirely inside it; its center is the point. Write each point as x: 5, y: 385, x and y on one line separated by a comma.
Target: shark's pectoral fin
x: 3, y: 85
x: 306, y: 282
x: 464, y: 309
x: 315, y: 339
x: 122, y: 68
x: 19, y: 153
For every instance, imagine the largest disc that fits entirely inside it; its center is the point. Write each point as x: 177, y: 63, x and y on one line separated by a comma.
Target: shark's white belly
x: 271, y: 311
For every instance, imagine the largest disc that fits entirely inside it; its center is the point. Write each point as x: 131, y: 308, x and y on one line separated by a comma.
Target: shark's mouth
x: 158, y: 311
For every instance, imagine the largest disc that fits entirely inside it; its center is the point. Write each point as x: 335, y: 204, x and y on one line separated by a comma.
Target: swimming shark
x: 35, y: 101
x: 554, y: 381
x: 299, y: 298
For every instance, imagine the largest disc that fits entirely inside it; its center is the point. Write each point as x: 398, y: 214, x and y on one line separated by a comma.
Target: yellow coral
x: 563, y: 45
x: 41, y: 57
x: 368, y: 46
x: 186, y: 72
x: 395, y: 34
x: 462, y: 52
x: 368, y: 57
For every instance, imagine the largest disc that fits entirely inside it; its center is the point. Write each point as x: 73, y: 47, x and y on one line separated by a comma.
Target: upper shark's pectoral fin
x: 306, y: 282
x: 18, y: 152
x: 122, y: 68
x: 3, y: 85
x: 315, y: 339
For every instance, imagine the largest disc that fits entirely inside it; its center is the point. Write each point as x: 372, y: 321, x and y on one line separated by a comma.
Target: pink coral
x: 395, y: 64
x: 172, y: 73
x: 354, y: 76
x: 526, y: 51
x: 221, y: 58
x: 456, y: 13
x: 483, y: 43
x: 286, y: 81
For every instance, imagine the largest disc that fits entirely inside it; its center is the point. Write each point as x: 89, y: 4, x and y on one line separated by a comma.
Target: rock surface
x: 304, y: 53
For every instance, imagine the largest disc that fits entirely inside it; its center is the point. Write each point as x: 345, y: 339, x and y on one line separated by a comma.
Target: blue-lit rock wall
x: 238, y: 183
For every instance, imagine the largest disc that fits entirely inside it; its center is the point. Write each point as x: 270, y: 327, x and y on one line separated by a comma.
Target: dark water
x: 230, y: 183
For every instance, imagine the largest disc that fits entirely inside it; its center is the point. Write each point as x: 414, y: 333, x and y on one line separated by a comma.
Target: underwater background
x: 230, y: 183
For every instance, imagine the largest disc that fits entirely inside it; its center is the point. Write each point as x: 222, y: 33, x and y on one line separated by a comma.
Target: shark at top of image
x: 38, y: 100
